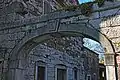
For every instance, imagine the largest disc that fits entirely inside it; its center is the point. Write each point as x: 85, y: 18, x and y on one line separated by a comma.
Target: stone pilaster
x: 110, y: 67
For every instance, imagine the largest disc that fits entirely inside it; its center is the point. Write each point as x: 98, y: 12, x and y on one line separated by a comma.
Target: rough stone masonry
x: 20, y: 34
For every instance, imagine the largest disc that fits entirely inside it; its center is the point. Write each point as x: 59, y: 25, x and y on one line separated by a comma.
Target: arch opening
x: 95, y: 47
x: 70, y: 55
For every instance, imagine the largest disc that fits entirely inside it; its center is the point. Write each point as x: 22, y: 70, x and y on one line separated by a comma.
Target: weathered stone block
x: 109, y: 59
x: 111, y: 32
x: 94, y: 15
x: 97, y: 23
x: 108, y: 13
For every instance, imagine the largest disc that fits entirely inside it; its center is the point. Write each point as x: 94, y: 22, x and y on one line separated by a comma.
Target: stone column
x: 118, y: 65
x: 110, y: 66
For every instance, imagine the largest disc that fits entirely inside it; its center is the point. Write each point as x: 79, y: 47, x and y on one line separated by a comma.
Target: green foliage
x: 86, y: 8
x: 100, y: 2
x: 116, y: 65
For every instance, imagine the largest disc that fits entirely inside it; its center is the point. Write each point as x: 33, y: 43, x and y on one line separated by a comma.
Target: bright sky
x: 83, y: 1
x: 94, y: 46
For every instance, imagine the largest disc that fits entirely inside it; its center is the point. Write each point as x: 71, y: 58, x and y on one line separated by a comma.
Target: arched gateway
x: 35, y: 36
x: 20, y: 32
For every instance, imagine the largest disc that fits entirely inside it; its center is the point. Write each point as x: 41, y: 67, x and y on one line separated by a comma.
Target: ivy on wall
x: 100, y: 2
x: 86, y: 8
x: 117, y: 44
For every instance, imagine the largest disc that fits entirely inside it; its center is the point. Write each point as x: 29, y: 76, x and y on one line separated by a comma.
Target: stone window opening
x: 88, y: 77
x: 61, y: 72
x: 95, y: 77
x: 1, y: 64
x: 1, y: 68
x: 41, y: 71
x: 75, y: 73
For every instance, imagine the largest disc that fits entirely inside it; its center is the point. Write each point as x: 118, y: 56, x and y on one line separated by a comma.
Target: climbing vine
x: 117, y: 44
x: 100, y: 2
x: 86, y: 8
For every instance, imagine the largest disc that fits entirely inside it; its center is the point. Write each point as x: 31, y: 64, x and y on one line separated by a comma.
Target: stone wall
x: 52, y: 57
x: 105, y: 19
x: 15, y: 28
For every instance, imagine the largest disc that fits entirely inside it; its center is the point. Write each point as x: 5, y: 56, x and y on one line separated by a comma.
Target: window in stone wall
x: 40, y: 71
x: 88, y: 77
x: 94, y: 76
x: 61, y: 73
x: 75, y: 74
x: 1, y: 69
x: 1, y: 65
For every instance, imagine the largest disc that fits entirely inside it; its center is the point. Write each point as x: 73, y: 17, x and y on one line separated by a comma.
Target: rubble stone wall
x: 15, y: 27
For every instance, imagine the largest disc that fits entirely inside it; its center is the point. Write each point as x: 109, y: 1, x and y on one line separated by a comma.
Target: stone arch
x: 41, y: 34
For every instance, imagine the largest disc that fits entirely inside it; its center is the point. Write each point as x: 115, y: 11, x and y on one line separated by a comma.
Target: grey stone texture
x: 19, y: 33
x: 52, y: 57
